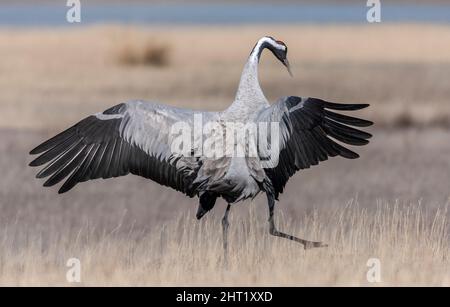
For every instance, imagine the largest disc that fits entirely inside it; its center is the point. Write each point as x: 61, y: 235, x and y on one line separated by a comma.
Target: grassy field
x: 411, y: 242
x: 390, y: 204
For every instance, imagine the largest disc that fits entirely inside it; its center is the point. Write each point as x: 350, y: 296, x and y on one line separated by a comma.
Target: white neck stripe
x: 265, y: 39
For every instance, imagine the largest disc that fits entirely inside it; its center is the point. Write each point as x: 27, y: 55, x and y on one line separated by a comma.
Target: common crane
x: 135, y: 137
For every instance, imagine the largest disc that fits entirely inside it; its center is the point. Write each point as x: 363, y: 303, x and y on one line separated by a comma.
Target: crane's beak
x: 288, y: 66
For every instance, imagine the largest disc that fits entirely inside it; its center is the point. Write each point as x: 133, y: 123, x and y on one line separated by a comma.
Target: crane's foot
x: 306, y: 244
x: 310, y: 244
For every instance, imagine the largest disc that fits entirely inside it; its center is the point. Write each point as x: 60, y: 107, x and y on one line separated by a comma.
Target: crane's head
x: 278, y: 48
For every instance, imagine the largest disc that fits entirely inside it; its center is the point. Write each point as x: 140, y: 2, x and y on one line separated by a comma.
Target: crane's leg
x: 275, y: 232
x: 225, y: 225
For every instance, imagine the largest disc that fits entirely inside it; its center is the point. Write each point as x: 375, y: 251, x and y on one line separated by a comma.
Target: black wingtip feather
x: 345, y: 138
x: 34, y: 151
x: 40, y: 148
x: 56, y: 140
x: 345, y: 106
x: 346, y: 153
x: 346, y: 129
x: 65, y: 188
x: 349, y: 120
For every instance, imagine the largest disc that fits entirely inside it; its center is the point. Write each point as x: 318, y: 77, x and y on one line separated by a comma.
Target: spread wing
x: 131, y: 137
x: 309, y: 132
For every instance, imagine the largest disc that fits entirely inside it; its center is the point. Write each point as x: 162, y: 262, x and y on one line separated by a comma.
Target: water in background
x: 55, y: 15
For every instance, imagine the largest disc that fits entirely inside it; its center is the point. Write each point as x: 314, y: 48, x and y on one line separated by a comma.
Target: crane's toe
x: 310, y: 244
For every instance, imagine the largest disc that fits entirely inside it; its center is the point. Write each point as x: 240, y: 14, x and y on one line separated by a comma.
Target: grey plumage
x: 133, y: 137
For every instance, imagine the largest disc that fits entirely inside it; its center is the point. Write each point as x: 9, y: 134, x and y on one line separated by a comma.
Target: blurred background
x: 190, y: 54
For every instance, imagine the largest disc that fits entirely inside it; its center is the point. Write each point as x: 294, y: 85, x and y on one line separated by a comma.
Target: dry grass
x: 411, y: 242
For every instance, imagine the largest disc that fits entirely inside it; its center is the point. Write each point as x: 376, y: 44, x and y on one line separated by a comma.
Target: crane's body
x: 135, y: 137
